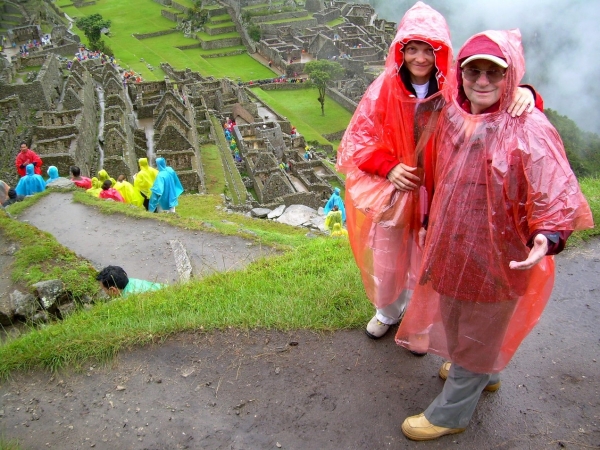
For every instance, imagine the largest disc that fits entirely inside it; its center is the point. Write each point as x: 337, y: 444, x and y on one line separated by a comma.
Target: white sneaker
x: 376, y: 329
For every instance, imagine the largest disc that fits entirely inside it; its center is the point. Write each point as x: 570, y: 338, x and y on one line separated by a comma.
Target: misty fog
x: 560, y: 38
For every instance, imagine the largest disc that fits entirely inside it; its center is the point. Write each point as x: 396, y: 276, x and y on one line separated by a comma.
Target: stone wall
x: 179, y: 6
x: 221, y: 43
x: 141, y: 36
x: 278, y: 16
x: 213, y: 31
x: 347, y: 103
x: 298, y: 25
x: 41, y: 93
x: 239, y: 111
x: 190, y: 46
x: 327, y: 16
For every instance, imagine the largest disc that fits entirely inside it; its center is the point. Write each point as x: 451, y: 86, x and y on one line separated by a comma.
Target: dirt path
x: 140, y: 246
x: 267, y: 389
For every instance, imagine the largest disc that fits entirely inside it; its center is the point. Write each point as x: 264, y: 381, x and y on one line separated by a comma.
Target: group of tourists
x: 280, y: 79
x: 455, y: 207
x: 33, y: 44
x: 156, y: 190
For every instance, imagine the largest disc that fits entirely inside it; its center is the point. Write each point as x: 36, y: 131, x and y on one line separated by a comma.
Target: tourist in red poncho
x: 110, y: 193
x: 80, y: 181
x: 505, y: 200
x: 382, y: 153
x: 25, y: 157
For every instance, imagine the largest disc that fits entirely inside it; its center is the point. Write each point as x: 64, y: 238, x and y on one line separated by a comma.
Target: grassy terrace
x: 336, y: 22
x: 235, y: 188
x: 129, y: 50
x: 262, y: 6
x: 220, y: 25
x: 304, y: 112
x: 214, y: 177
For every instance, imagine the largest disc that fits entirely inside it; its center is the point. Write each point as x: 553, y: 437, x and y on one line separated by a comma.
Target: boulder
x: 26, y: 305
x: 50, y: 293
x: 7, y: 310
x: 276, y: 212
x: 67, y: 309
x: 296, y: 215
x: 60, y: 182
x: 317, y: 222
x: 261, y: 213
x: 41, y: 317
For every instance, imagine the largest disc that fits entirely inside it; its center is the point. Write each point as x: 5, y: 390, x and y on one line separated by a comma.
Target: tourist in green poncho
x: 115, y: 282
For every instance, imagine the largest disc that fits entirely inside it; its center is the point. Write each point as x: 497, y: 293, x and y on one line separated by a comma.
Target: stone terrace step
x: 219, y: 19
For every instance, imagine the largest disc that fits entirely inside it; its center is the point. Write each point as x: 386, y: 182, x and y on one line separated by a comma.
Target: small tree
x: 321, y: 72
x: 254, y: 33
x: 92, y: 28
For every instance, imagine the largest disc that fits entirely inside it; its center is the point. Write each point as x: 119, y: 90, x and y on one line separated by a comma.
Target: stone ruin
x: 90, y: 117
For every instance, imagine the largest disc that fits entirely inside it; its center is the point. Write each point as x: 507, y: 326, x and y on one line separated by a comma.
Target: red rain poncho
x: 391, y: 126
x: 498, y: 180
x: 111, y: 194
x: 28, y: 157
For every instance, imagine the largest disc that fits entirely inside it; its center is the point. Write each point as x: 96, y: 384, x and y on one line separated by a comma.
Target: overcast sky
x: 561, y: 40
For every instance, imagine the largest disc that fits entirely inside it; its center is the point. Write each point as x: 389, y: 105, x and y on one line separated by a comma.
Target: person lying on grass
x: 115, y: 282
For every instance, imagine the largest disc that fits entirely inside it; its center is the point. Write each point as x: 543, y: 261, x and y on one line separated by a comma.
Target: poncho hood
x: 425, y: 24
x: 511, y: 47
x: 53, y: 172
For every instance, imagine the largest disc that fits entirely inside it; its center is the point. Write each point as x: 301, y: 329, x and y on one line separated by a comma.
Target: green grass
x: 221, y: 18
x: 217, y: 51
x: 336, y: 22
x: 304, y: 111
x: 591, y: 189
x: 129, y: 50
x: 217, y: 37
x: 213, y: 169
x: 220, y: 25
x: 9, y: 444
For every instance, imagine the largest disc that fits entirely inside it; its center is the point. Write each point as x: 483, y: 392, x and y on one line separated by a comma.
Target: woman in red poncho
x: 110, y: 193
x: 382, y: 155
x: 25, y: 157
x: 505, y: 201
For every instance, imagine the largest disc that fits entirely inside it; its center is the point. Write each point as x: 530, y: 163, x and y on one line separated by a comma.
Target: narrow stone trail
x: 142, y: 247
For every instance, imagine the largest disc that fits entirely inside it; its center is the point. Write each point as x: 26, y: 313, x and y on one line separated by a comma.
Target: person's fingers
x: 531, y: 107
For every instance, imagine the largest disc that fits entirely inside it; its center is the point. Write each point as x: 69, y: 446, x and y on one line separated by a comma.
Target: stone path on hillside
x: 144, y: 248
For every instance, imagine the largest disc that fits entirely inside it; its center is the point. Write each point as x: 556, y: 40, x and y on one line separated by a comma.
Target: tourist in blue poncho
x: 335, y: 200
x: 53, y: 174
x: 166, y: 188
x: 31, y: 183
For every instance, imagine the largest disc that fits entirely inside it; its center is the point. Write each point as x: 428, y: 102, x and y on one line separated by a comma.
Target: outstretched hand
x: 538, y: 251
x: 523, y: 101
x: 402, y: 177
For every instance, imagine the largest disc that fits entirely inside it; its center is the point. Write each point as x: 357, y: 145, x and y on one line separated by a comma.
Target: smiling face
x: 23, y: 148
x: 419, y: 59
x: 482, y: 93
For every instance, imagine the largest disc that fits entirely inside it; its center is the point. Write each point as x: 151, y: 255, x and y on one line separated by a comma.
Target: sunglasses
x: 493, y: 76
